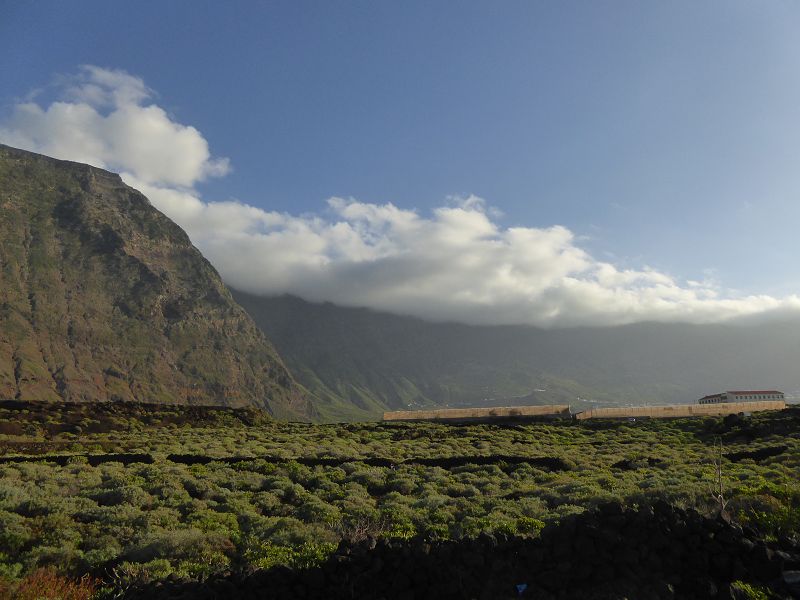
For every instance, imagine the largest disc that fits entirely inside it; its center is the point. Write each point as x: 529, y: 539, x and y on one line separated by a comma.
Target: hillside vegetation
x: 103, y: 298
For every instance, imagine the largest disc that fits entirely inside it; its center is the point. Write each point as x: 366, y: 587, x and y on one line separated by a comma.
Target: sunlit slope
x: 102, y: 298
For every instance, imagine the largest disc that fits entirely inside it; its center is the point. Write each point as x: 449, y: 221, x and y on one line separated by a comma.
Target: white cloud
x: 456, y: 263
x: 104, y: 119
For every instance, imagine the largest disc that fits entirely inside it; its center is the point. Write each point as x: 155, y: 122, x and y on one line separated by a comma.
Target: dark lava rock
x: 677, y: 554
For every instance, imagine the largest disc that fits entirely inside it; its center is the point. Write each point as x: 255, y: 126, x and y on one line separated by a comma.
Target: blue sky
x: 661, y: 135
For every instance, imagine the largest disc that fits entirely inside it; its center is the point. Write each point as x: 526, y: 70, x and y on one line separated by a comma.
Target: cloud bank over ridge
x: 456, y: 263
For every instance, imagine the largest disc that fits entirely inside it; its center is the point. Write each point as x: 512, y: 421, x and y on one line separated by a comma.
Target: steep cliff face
x: 103, y: 298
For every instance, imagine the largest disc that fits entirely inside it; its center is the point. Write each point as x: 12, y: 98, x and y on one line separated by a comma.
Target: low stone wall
x: 653, y: 553
x: 466, y: 414
x: 681, y: 410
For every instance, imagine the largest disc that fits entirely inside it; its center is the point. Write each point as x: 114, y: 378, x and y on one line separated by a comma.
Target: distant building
x: 742, y: 396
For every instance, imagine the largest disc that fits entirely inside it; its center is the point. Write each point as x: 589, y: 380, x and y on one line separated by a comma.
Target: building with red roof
x: 742, y: 396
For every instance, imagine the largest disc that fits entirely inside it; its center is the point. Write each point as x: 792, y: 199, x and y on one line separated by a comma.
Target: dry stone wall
x: 681, y: 410
x: 466, y: 414
x: 658, y: 552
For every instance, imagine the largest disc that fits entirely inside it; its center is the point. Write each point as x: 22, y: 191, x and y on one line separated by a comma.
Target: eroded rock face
x: 104, y: 298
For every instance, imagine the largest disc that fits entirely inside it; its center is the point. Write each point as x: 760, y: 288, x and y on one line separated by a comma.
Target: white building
x: 742, y: 396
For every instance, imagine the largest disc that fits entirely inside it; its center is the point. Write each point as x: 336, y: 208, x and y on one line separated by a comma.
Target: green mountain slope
x: 359, y: 362
x: 102, y: 297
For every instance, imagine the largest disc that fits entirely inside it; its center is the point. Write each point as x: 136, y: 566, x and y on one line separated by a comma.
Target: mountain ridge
x: 102, y: 297
x: 359, y: 362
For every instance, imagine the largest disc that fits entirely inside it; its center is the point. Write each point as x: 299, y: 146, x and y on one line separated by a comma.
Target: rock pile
x: 658, y: 552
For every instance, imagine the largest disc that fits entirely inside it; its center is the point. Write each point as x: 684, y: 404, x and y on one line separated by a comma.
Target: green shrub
x: 188, y: 545
x: 15, y: 533
x: 317, y: 511
x: 746, y: 591
x: 304, y: 556
x: 529, y: 525
x: 133, y: 573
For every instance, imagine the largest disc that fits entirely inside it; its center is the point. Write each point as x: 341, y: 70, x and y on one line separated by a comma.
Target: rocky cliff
x: 103, y: 298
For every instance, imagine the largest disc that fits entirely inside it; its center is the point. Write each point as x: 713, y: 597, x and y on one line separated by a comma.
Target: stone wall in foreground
x: 652, y: 553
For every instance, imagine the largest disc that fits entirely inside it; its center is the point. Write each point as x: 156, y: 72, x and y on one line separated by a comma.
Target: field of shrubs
x: 127, y: 493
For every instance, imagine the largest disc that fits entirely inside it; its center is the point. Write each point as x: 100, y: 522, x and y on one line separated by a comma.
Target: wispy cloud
x: 454, y: 263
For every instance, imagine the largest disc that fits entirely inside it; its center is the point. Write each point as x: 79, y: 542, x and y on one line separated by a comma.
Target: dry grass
x: 46, y: 584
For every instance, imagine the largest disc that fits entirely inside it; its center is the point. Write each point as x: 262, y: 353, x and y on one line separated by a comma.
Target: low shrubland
x: 226, y: 492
